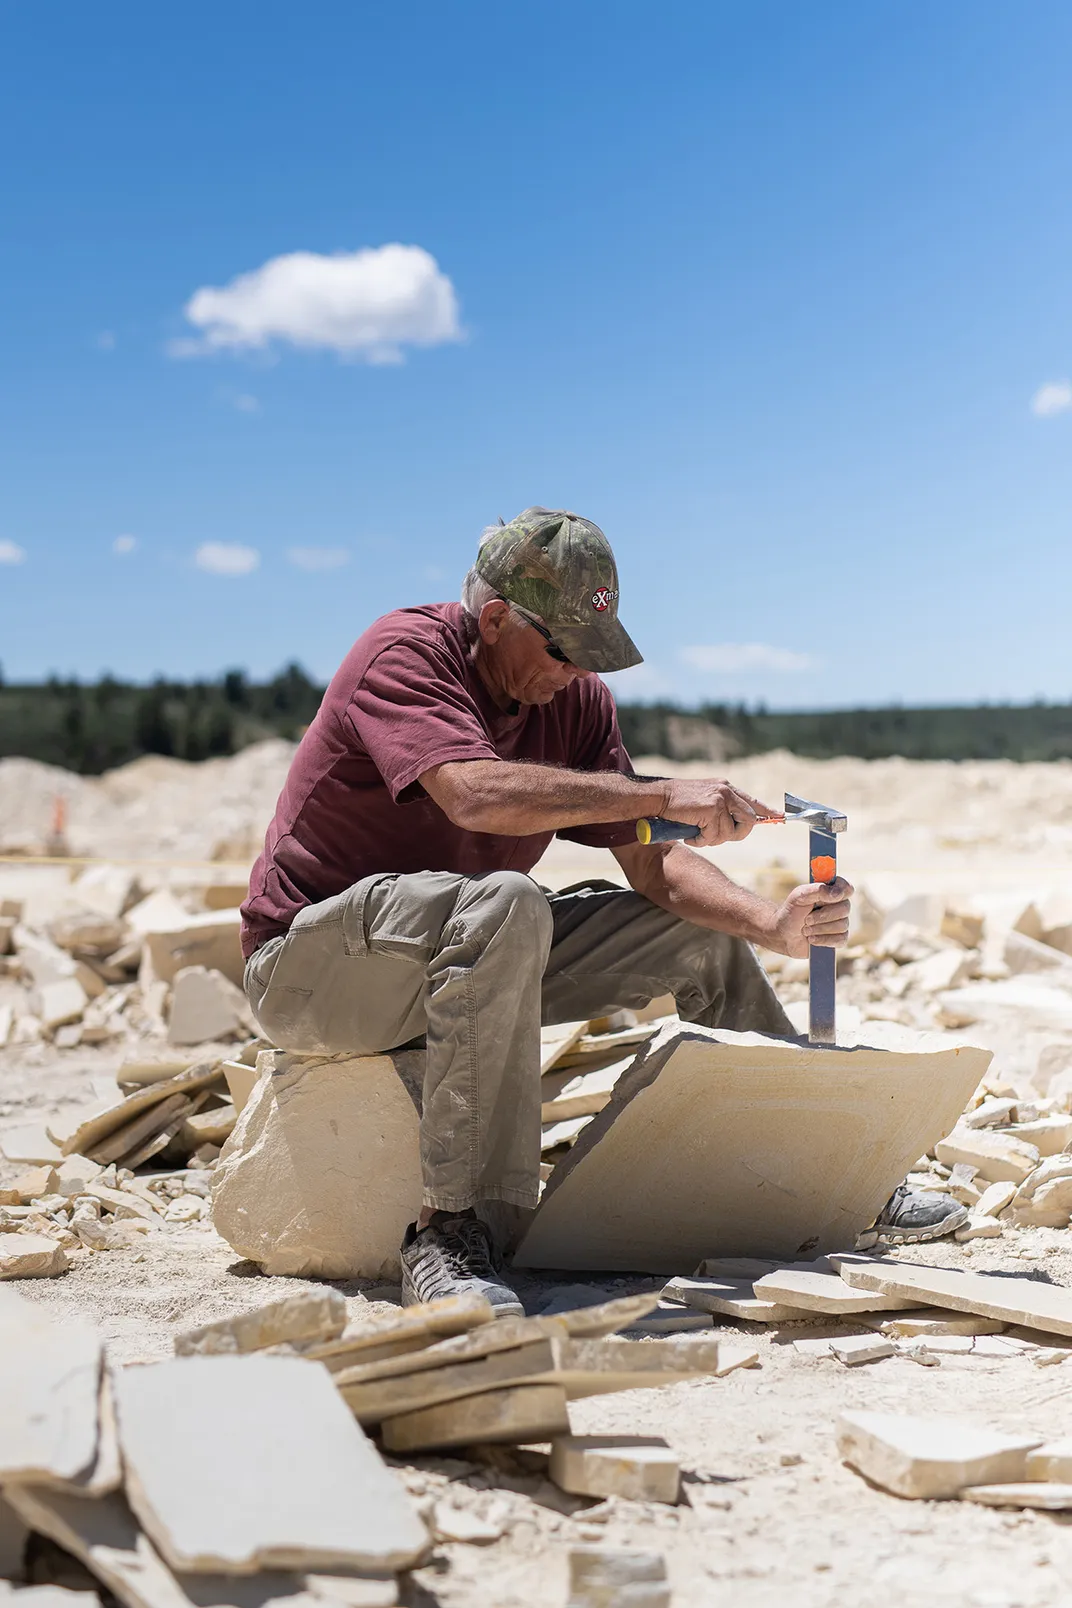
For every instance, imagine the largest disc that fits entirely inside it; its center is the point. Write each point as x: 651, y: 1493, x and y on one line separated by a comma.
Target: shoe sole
x: 919, y: 1236
x: 410, y: 1298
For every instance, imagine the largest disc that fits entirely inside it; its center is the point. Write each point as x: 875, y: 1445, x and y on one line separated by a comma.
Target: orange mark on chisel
x: 823, y: 868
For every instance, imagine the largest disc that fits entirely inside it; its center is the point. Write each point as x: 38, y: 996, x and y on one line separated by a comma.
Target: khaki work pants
x: 475, y: 964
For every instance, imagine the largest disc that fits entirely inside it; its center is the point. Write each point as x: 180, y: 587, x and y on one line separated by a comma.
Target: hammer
x: 825, y: 823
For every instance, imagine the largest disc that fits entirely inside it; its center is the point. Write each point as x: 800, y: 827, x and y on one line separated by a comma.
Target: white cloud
x: 244, y: 403
x: 124, y: 544
x: 318, y: 558
x: 1054, y: 397
x: 227, y: 558
x: 12, y: 553
x: 361, y: 304
x: 731, y: 658
x: 644, y: 680
x: 105, y: 341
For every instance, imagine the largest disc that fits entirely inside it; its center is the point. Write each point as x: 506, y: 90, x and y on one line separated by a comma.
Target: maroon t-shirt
x: 407, y: 697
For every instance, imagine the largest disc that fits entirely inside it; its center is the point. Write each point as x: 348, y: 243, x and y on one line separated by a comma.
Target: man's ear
x: 494, y: 619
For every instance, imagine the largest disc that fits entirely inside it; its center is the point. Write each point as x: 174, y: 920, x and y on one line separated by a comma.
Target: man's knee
x: 510, y: 898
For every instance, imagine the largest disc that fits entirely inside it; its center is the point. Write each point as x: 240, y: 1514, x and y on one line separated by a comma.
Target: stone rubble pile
x: 113, y: 965
x: 295, y: 1505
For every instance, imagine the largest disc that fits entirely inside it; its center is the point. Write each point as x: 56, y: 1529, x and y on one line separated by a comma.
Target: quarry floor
x: 769, y: 1516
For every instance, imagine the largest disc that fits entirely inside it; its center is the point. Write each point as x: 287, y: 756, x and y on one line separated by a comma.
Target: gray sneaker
x: 913, y: 1215
x: 454, y: 1255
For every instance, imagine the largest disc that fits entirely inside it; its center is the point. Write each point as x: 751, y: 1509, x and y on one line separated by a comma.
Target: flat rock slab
x: 735, y: 1144
x: 637, y: 1467
x: 929, y: 1457
x: 291, y: 1482
x: 525, y: 1413
x: 921, y: 1322
x: 1051, y: 1461
x: 50, y: 1382
x: 1021, y: 1494
x: 818, y: 1287
x: 415, y: 1328
x: 106, y: 1537
x: 91, y: 1134
x: 731, y: 1298
x: 322, y: 1172
x: 297, y: 1319
x: 1027, y: 1302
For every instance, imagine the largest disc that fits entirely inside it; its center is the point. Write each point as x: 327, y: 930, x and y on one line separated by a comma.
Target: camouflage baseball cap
x: 560, y: 568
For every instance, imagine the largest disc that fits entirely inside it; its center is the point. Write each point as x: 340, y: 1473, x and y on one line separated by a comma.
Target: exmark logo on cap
x: 603, y: 598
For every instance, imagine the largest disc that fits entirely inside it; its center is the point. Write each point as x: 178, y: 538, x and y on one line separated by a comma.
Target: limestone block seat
x: 322, y: 1172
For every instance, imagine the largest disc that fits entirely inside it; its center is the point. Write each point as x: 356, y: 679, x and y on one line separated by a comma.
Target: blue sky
x: 778, y: 294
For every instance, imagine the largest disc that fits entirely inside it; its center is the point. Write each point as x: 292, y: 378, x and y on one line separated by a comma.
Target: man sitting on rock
x: 393, y: 897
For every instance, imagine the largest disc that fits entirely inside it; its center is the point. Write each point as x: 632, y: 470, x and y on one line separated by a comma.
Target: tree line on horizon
x: 91, y: 727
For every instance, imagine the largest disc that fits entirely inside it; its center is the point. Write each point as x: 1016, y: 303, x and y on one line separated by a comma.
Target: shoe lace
x: 468, y: 1245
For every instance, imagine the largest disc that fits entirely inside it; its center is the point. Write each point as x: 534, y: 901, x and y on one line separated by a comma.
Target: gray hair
x: 476, y: 591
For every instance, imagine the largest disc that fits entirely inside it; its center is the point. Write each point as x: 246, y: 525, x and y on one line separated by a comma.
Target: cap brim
x: 603, y: 645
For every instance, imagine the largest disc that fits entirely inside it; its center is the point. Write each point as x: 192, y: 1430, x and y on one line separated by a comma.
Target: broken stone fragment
x: 31, y: 1256
x: 1050, y: 1461
x: 206, y: 1005
x: 994, y: 1199
x: 60, y: 1002
x: 300, y: 1319
x: 28, y: 1186
x: 997, y: 1157
x: 638, y: 1467
x: 854, y: 1349
x: 929, y: 1457
x: 600, y: 1578
x: 1050, y: 1497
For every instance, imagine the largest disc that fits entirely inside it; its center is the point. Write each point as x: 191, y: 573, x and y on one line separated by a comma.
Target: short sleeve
x: 412, y: 711
x: 599, y: 747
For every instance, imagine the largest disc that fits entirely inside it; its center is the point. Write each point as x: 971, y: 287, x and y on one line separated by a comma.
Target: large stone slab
x: 291, y: 1481
x: 1023, y: 1301
x: 734, y: 1144
x: 50, y: 1378
x: 322, y: 1172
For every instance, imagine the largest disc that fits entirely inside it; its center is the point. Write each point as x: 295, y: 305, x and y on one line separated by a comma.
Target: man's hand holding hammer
x: 816, y: 913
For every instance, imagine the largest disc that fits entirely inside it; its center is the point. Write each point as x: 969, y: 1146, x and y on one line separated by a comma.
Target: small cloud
x: 124, y: 545
x: 227, y: 558
x: 105, y: 341
x: 432, y: 572
x: 1054, y: 397
x: 639, y: 681
x: 244, y: 403
x: 12, y: 553
x: 360, y: 304
x: 318, y: 558
x: 730, y: 658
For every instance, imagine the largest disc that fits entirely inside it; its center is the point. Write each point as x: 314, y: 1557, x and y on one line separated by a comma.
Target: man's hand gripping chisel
x: 825, y: 824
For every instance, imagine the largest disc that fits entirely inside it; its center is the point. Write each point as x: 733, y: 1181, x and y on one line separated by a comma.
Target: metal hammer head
x: 817, y: 815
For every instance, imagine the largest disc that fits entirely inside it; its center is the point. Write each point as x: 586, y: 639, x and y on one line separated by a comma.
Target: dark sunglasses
x: 552, y: 646
x: 553, y: 649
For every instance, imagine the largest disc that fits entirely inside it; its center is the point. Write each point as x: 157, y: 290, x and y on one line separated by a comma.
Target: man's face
x: 517, y: 656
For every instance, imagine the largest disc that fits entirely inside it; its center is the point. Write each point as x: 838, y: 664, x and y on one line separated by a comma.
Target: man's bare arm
x: 687, y: 885
x: 514, y: 799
